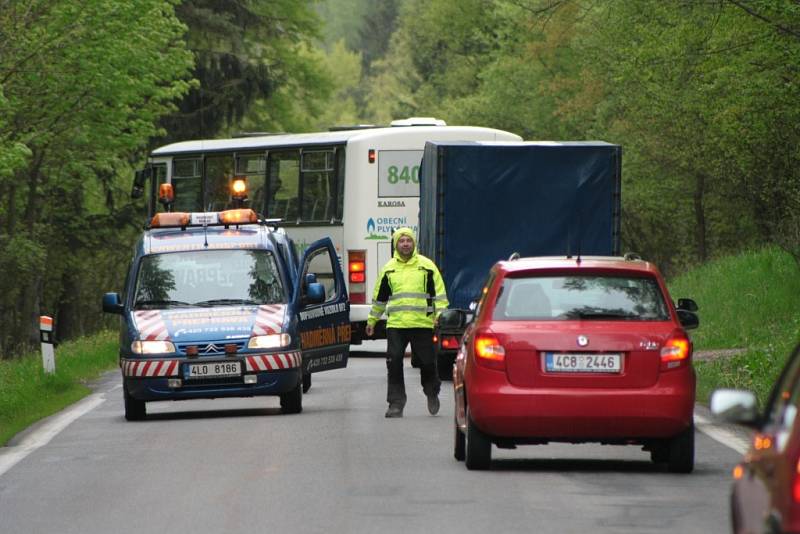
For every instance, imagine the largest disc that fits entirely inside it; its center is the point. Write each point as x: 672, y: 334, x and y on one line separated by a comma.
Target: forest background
x: 703, y: 95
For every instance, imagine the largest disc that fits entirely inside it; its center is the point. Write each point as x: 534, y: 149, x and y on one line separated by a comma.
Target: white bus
x: 355, y: 186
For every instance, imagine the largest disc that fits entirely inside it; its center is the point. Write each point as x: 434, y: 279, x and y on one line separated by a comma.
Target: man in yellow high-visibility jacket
x: 410, y: 290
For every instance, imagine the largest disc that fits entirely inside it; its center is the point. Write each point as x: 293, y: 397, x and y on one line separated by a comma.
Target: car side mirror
x: 689, y: 320
x: 735, y: 406
x: 112, y: 303
x: 688, y: 305
x: 315, y: 293
x: 452, y: 319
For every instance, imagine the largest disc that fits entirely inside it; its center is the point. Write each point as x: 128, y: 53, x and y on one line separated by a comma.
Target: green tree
x: 702, y: 96
x: 247, y: 52
x: 84, y: 85
x: 374, y: 34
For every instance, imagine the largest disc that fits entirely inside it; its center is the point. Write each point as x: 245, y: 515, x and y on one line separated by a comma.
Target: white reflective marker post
x: 46, y: 337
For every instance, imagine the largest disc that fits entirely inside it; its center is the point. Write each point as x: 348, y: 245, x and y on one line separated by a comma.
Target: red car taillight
x: 489, y: 352
x: 675, y: 352
x: 796, y: 483
x: 357, y: 276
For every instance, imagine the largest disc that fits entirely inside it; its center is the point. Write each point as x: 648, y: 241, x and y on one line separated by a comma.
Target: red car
x: 766, y: 489
x: 576, y: 350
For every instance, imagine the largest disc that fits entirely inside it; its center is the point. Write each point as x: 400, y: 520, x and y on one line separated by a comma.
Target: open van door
x: 320, y: 296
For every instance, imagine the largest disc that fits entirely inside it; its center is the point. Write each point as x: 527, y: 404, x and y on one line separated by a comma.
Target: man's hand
x: 370, y: 330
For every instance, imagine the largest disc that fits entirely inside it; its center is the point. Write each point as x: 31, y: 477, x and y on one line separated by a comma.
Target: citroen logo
x: 210, y: 348
x: 583, y: 341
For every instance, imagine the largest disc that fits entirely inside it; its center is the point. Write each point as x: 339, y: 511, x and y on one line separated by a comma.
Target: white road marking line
x: 10, y: 456
x: 727, y: 438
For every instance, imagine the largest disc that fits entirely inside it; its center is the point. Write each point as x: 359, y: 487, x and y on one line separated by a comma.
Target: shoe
x: 433, y: 404
x: 394, y: 411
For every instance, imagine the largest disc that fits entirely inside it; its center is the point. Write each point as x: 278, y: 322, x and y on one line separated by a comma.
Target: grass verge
x: 748, y: 301
x: 28, y: 394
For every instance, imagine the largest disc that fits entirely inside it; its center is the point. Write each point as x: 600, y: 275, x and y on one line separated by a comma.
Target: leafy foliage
x: 702, y: 96
x: 83, y: 85
x: 249, y: 54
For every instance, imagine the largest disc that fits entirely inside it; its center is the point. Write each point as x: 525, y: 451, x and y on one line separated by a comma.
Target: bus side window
x: 218, y: 176
x: 253, y: 167
x: 283, y: 179
x: 337, y: 209
x: 187, y: 184
x: 317, y: 172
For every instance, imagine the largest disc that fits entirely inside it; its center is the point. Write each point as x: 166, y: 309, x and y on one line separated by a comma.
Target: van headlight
x: 152, y: 347
x: 271, y: 341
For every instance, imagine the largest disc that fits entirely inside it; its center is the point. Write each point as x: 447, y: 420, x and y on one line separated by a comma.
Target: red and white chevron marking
x: 269, y: 319
x: 150, y: 368
x: 274, y: 362
x: 151, y: 325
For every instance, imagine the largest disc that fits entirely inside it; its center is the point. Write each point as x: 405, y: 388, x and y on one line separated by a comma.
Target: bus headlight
x: 271, y: 341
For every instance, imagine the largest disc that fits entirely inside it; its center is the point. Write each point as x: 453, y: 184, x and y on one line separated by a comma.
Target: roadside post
x: 46, y: 337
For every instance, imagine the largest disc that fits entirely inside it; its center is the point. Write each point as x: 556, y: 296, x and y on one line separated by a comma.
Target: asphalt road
x: 239, y: 465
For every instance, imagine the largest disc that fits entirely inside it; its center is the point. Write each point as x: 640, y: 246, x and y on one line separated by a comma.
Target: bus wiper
x: 225, y: 302
x: 158, y: 303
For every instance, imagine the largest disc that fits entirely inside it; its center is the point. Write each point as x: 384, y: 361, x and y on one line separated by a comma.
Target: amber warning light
x: 239, y: 188
x: 166, y: 195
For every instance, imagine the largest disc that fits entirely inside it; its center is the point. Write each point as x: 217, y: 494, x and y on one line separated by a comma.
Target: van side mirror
x: 112, y: 303
x: 315, y: 293
x: 310, y: 278
x: 688, y: 305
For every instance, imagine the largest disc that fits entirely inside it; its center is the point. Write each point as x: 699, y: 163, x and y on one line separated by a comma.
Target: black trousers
x: 421, y: 340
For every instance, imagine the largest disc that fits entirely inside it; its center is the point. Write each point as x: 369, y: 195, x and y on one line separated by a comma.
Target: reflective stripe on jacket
x: 411, y: 293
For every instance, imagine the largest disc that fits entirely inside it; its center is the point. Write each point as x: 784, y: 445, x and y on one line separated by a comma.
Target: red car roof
x: 584, y: 262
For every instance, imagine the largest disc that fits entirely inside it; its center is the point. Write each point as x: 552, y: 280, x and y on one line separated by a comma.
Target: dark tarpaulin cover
x: 482, y: 201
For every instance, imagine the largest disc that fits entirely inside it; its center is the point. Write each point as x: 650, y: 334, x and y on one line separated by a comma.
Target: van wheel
x: 135, y: 409
x: 460, y: 442
x: 681, y: 452
x: 478, y: 447
x: 292, y: 402
x: 306, y: 382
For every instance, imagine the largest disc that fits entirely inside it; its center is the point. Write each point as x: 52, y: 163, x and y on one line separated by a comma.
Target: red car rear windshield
x: 589, y: 297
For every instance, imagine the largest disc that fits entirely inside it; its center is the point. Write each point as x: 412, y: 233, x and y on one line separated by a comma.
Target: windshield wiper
x: 599, y: 313
x: 225, y: 302
x: 159, y: 303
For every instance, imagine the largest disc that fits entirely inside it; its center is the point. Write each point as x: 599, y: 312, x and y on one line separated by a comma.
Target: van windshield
x: 208, y: 278
x: 597, y: 297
